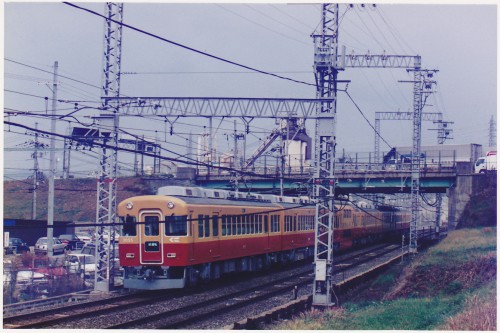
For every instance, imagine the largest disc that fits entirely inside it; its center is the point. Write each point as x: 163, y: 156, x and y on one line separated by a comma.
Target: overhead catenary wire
x: 241, y: 172
x: 188, y: 47
x: 363, y: 115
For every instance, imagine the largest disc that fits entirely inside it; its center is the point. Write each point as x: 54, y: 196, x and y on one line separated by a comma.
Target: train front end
x: 154, y: 246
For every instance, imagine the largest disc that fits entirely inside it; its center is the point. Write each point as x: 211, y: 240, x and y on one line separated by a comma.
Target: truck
x: 486, y: 164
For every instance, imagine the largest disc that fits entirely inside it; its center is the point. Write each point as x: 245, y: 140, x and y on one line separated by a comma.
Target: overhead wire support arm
x: 217, y: 106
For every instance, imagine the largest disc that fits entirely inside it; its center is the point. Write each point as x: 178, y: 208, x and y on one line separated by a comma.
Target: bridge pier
x: 460, y: 194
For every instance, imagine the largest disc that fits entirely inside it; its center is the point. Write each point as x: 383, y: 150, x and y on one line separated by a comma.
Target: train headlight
x: 129, y: 205
x: 170, y: 205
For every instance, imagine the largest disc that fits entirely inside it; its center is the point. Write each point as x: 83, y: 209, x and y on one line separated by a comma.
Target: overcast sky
x: 458, y: 40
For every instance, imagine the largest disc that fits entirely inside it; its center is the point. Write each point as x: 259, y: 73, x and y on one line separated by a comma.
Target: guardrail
x: 50, y: 301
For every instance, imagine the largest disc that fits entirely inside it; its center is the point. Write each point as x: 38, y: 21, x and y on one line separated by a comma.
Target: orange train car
x: 187, y: 234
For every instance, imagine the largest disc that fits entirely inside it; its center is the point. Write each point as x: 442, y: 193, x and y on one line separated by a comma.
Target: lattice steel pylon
x: 492, y: 142
x: 422, y: 88
x: 108, y: 122
x: 326, y: 70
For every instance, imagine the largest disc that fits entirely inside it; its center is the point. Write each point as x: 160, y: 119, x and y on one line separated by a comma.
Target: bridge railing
x: 355, y: 162
x: 339, y: 167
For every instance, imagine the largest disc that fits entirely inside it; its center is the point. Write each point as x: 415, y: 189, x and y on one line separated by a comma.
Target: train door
x: 150, y: 237
x: 215, y: 248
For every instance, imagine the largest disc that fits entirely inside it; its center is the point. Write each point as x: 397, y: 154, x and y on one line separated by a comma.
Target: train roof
x: 191, y: 191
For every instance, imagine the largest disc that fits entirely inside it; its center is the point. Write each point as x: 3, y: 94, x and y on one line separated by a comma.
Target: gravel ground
x: 229, y: 284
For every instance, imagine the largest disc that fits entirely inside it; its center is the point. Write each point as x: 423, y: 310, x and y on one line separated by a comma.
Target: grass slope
x: 452, y: 286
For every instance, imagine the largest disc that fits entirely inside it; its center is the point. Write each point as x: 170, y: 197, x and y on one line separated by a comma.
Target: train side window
x: 238, y: 225
x: 266, y: 224
x: 224, y: 225
x: 295, y: 223
x: 151, y: 226
x: 276, y: 223
x: 243, y: 224
x: 230, y: 224
x: 200, y: 226
x: 207, y: 225
x: 252, y: 224
x: 215, y: 225
x: 176, y: 225
x: 129, y: 225
x: 259, y: 223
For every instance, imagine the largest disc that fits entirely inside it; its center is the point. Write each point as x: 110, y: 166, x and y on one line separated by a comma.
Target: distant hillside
x: 74, y: 200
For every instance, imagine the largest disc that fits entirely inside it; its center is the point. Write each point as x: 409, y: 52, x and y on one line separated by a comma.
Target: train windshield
x: 129, y: 225
x: 176, y: 225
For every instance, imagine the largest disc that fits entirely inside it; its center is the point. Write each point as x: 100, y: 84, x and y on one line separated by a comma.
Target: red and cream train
x: 186, y: 234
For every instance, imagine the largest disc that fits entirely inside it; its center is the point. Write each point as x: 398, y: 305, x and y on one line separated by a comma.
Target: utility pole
x: 326, y: 68
x: 35, y: 173
x: 66, y: 156
x: 422, y: 88
x: 52, y: 171
x: 237, y: 165
x: 108, y: 120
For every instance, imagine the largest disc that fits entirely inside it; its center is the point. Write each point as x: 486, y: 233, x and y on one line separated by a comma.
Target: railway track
x: 168, y: 309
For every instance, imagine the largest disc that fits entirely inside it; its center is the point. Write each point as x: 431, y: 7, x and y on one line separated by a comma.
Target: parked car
x: 72, y: 241
x: 41, y: 246
x: 80, y: 263
x: 16, y: 245
x: 84, y: 237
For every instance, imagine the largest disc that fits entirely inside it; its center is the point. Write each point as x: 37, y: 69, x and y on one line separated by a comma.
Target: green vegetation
x: 451, y: 286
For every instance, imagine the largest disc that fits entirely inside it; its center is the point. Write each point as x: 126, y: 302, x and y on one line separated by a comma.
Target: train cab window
x: 129, y: 225
x: 151, y: 226
x: 215, y: 225
x: 176, y: 225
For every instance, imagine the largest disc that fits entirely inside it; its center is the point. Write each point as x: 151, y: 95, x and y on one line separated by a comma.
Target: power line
x: 247, y: 173
x: 45, y: 71
x: 362, y: 114
x: 189, y: 48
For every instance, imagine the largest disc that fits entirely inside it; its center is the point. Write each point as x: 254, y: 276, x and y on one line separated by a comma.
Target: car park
x: 71, y: 241
x: 16, y: 245
x: 41, y: 246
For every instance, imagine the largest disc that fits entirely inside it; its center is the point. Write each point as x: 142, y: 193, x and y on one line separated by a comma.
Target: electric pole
x: 326, y: 68
x: 422, y: 88
x: 108, y: 121
x: 52, y: 171
x: 35, y: 173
